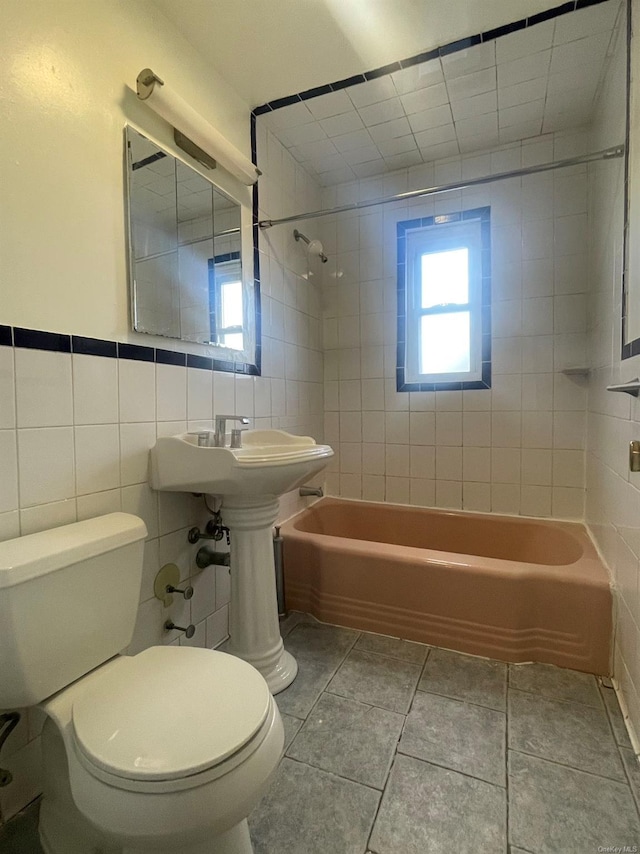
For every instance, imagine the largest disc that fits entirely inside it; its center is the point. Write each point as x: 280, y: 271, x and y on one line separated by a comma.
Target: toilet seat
x: 168, y: 717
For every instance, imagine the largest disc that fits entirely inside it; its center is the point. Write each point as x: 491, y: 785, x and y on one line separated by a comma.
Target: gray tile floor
x: 397, y: 748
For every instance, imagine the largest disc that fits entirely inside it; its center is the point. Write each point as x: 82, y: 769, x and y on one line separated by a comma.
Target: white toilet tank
x: 68, y: 602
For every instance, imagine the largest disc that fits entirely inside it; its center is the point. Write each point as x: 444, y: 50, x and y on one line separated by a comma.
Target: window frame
x: 220, y: 269
x: 433, y: 234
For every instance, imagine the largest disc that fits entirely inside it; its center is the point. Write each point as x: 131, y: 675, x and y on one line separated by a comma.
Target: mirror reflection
x: 185, y: 252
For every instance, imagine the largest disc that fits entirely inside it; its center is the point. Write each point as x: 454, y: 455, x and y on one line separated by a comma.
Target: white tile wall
x: 518, y: 448
x: 539, y: 80
x: 75, y: 432
x: 613, y: 493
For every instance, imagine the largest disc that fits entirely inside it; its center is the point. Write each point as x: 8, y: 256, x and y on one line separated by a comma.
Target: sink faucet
x: 219, y: 436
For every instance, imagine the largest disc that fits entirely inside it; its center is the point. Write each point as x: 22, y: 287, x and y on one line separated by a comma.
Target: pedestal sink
x: 249, y: 480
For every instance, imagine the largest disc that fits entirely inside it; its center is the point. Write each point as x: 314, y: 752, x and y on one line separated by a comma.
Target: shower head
x: 314, y: 247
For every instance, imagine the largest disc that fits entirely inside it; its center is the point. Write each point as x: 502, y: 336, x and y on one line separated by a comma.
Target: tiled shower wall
x: 517, y: 448
x: 613, y: 493
x: 75, y: 432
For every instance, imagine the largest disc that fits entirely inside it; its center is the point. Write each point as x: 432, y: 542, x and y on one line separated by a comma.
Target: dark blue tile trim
x: 284, y: 102
x: 461, y: 44
x: 205, y: 363
x: 94, y: 347
x: 228, y: 256
x: 34, y: 339
x: 314, y: 93
x: 254, y: 141
x: 443, y: 50
x: 147, y: 160
x: 171, y: 357
x: 348, y: 81
x: 419, y: 58
x: 136, y: 353
x: 498, y: 32
x: 382, y: 71
x: 256, y: 368
x: 551, y: 13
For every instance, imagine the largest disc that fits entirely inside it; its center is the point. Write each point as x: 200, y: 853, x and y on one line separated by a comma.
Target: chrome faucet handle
x: 187, y: 592
x: 219, y: 436
x: 189, y: 630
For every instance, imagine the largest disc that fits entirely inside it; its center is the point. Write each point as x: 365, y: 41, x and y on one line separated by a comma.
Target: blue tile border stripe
x: 171, y: 357
x: 93, y: 347
x: 443, y: 50
x: 136, y: 353
x: 55, y: 342
x: 35, y: 339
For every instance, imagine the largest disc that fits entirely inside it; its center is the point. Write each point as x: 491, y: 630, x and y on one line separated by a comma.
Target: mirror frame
x: 249, y: 360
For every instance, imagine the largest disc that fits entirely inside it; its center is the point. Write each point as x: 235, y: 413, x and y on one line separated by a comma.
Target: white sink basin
x: 271, y: 462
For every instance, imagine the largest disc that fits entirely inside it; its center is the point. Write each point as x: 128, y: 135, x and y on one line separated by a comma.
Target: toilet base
x: 234, y: 841
x: 64, y: 834
x: 64, y: 829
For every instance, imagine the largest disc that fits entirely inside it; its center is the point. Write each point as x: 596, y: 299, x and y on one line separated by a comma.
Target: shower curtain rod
x: 605, y: 154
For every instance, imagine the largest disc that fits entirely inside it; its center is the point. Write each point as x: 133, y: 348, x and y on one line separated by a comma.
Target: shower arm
x: 300, y: 236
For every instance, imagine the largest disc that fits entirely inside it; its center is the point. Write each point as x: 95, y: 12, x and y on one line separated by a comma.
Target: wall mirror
x: 190, y: 256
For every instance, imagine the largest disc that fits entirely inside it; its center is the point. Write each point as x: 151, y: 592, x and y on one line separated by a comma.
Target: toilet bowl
x: 165, y: 751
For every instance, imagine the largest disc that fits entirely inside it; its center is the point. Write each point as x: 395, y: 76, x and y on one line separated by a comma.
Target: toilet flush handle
x: 189, y: 631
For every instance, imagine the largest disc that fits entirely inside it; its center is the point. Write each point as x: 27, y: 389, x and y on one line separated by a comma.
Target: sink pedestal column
x: 254, y: 628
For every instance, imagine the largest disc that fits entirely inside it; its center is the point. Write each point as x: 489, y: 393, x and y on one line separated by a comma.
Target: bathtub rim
x: 590, y: 557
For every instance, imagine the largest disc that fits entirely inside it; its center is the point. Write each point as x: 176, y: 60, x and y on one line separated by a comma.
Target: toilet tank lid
x: 28, y: 557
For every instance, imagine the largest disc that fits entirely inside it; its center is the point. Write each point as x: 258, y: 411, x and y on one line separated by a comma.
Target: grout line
x: 620, y: 782
x: 459, y: 700
x: 333, y: 774
x: 454, y: 770
x: 384, y: 792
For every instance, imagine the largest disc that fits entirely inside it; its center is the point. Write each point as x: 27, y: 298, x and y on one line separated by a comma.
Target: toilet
x: 165, y: 751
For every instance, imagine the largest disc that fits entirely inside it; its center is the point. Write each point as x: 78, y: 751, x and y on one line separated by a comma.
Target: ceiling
x: 268, y: 50
x: 537, y: 80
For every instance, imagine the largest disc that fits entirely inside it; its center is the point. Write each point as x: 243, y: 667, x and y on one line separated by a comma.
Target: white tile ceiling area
x: 537, y: 80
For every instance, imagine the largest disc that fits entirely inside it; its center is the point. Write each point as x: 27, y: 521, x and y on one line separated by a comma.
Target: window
x: 225, y: 300
x: 444, y: 286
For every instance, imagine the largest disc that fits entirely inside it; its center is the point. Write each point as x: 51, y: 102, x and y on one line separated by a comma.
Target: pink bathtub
x: 499, y: 586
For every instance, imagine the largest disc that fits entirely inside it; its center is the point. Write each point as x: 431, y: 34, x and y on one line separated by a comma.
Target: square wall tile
x: 7, y: 389
x: 95, y: 390
x: 46, y: 465
x: 171, y: 391
x: 9, y: 469
x: 97, y: 458
x: 136, y: 439
x: 449, y: 494
x: 137, y: 390
x: 9, y: 525
x: 42, y: 517
x: 142, y: 501
x: 43, y: 388
x: 98, y: 504
x: 199, y: 395
x: 535, y: 501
